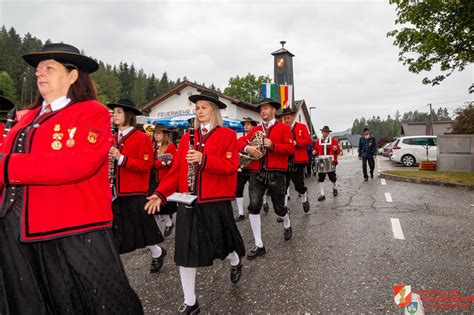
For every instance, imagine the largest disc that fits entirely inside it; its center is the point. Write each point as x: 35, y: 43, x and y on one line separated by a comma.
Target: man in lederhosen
x: 243, y: 174
x: 269, y: 172
x: 298, y: 161
x: 327, y: 146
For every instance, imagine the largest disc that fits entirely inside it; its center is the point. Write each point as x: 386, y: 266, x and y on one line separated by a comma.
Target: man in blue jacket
x: 367, y: 152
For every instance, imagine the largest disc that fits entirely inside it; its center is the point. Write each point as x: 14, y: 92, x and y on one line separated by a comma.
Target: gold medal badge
x: 71, y: 142
x: 57, y: 136
x: 56, y: 145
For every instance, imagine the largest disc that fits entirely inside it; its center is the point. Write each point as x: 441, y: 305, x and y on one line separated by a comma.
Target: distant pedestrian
x: 367, y: 152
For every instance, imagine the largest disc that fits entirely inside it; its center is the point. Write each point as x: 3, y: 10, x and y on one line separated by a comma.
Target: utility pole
x: 431, y: 119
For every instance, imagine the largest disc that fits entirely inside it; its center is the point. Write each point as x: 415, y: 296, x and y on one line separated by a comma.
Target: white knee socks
x: 188, y: 282
x: 286, y: 221
x: 304, y: 197
x: 321, y: 187
x: 168, y: 221
x: 334, y: 185
x: 233, y: 258
x: 240, y: 205
x: 256, y: 225
x: 156, y: 250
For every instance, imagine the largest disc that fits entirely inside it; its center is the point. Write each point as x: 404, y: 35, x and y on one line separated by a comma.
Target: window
x: 420, y: 141
x: 432, y: 142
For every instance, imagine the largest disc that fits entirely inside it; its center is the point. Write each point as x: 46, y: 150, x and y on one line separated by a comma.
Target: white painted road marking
x: 382, y: 180
x: 388, y: 197
x: 397, y: 229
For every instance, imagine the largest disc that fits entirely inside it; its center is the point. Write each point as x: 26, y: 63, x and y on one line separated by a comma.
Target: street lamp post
x: 311, y: 119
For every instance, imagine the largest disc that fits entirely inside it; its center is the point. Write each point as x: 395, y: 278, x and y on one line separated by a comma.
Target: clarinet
x: 111, y: 158
x: 191, y: 166
x: 10, y: 121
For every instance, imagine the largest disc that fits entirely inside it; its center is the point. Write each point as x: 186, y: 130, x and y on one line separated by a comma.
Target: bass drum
x: 324, y: 164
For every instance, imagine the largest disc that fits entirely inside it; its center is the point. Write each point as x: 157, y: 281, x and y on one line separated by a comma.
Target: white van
x: 411, y: 150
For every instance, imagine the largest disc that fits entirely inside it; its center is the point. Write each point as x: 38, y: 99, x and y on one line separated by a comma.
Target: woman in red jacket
x: 133, y: 228
x: 206, y: 230
x: 56, y: 249
x: 164, y: 154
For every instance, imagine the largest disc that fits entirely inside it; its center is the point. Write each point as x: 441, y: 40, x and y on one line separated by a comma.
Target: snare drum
x: 324, y: 164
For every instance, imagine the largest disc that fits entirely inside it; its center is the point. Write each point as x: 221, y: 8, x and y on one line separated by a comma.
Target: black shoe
x: 321, y: 198
x: 334, y: 192
x: 157, y: 263
x: 235, y: 273
x: 279, y: 219
x: 186, y: 309
x: 265, y: 207
x: 255, y: 252
x: 168, y: 230
x: 371, y: 175
x: 240, y: 218
x: 306, y: 206
x: 288, y: 233
x: 366, y: 179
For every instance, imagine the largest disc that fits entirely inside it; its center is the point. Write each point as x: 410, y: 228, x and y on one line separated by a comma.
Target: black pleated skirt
x: 133, y: 228
x: 170, y: 207
x: 206, y: 232
x: 80, y: 274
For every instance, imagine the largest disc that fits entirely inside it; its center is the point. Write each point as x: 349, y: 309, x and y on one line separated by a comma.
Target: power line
x: 453, y: 101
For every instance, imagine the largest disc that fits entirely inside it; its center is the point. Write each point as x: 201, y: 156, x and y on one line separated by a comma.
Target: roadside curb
x: 424, y: 181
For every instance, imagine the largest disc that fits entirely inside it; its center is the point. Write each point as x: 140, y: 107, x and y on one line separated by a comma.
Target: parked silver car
x: 413, y: 149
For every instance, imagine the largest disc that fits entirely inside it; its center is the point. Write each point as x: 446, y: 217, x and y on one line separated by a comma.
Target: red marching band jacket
x: 302, y: 139
x: 132, y: 177
x: 64, y: 170
x: 162, y: 170
x: 216, y: 176
x: 319, y: 147
x: 277, y: 158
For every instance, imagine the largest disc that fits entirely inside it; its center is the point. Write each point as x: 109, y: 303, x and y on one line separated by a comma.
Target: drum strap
x: 325, y: 145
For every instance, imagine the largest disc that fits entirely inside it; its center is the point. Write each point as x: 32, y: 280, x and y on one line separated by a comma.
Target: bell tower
x: 283, y: 69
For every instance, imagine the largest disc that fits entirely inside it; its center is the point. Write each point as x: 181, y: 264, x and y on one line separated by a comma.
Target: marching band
x: 62, y: 225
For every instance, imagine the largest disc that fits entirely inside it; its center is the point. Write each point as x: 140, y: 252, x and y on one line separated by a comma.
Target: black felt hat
x: 5, y: 103
x: 326, y: 128
x: 248, y: 119
x: 208, y: 96
x: 63, y: 53
x: 162, y: 128
x: 270, y: 102
x: 365, y: 129
x: 288, y: 111
x: 127, y: 105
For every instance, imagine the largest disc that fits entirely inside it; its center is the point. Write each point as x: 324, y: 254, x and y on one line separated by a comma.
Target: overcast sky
x: 344, y: 64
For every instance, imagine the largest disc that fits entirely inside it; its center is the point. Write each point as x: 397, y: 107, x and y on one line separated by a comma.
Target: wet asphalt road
x: 343, y: 257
